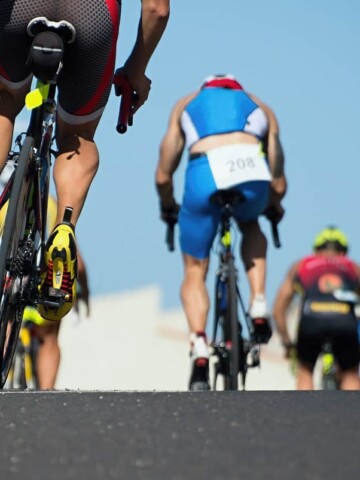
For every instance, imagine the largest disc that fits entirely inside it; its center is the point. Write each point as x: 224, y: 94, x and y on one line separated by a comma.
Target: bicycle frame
x: 40, y: 133
x: 221, y: 350
x: 41, y: 130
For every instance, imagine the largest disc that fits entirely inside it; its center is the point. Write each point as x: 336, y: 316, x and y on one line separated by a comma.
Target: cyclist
x: 222, y: 126
x: 326, y: 282
x: 84, y: 86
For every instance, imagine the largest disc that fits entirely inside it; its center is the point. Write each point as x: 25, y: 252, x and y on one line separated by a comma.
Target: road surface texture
x: 160, y: 435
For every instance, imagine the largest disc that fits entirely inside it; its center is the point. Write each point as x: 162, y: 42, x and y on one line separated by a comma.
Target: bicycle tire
x: 231, y: 380
x: 31, y: 376
x: 220, y: 367
x: 18, y: 364
x: 328, y: 379
x: 11, y: 309
x: 328, y: 383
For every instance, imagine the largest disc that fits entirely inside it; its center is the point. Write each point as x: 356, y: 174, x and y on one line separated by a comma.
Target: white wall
x: 130, y: 343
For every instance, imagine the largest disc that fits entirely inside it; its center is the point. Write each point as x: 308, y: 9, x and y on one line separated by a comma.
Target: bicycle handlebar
x: 124, y: 89
x: 170, y: 236
x: 275, y: 233
x: 273, y: 217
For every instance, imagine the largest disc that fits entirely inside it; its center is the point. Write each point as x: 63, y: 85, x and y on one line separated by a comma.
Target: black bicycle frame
x: 40, y: 130
x: 222, y: 311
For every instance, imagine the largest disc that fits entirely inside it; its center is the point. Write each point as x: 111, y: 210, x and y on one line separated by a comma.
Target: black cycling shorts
x: 340, y: 330
x: 86, y: 78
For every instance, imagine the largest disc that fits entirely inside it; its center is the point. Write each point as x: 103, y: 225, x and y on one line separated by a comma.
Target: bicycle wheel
x: 232, y: 322
x: 15, y: 254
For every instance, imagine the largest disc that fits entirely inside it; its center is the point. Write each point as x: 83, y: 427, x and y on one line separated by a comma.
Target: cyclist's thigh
x: 198, y: 219
x: 67, y: 133
x: 309, y: 341
x: 197, y: 232
x: 86, y: 79
x: 14, y: 41
x: 256, y: 199
x: 345, y: 343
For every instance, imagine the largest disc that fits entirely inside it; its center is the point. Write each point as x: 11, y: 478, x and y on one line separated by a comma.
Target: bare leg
x: 195, y: 301
x: 253, y: 253
x: 350, y: 380
x: 305, y: 377
x: 48, y: 358
x: 194, y: 294
x: 75, y: 167
x: 11, y: 103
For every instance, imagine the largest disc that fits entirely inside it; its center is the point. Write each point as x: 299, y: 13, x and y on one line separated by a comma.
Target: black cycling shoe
x: 262, y: 330
x: 199, y: 380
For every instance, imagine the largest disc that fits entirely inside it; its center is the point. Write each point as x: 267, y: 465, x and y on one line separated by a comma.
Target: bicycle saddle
x: 64, y: 29
x: 227, y: 197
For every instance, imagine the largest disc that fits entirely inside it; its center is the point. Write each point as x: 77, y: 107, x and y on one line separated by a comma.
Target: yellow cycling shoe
x: 58, y: 285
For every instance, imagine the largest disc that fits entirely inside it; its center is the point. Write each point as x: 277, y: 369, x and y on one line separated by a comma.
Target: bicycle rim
x: 12, y: 279
x: 231, y: 383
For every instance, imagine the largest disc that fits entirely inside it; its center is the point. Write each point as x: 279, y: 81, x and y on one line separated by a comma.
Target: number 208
x: 240, y: 163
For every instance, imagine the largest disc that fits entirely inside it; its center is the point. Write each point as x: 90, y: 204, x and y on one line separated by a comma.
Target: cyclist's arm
x: 171, y: 149
x: 153, y: 21
x: 357, y: 268
x: 283, y: 299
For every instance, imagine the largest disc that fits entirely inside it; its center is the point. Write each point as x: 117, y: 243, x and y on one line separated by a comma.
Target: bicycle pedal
x: 54, y: 298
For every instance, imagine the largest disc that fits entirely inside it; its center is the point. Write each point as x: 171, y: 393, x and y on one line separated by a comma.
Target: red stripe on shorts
x: 4, y: 74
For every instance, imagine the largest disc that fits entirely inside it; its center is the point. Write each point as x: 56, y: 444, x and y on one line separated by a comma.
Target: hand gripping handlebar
x: 124, y: 89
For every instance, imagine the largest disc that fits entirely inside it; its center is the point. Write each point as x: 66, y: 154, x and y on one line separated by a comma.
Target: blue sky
x: 301, y: 58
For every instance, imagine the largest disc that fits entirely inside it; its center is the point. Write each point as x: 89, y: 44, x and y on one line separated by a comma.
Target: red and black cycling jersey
x: 320, y: 275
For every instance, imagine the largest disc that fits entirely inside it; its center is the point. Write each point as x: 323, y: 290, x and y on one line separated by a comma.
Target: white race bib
x: 239, y: 163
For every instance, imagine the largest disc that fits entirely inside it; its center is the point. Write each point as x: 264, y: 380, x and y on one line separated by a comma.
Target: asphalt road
x: 207, y: 435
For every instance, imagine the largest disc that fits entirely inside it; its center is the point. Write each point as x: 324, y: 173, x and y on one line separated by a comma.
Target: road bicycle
x: 233, y: 353
x: 326, y: 369
x: 24, y: 234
